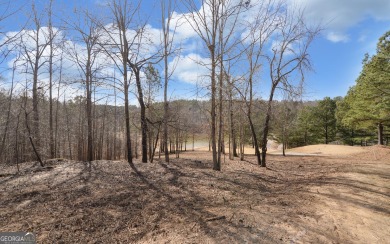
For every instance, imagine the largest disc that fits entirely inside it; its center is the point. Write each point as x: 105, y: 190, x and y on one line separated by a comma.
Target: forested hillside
x: 293, y: 124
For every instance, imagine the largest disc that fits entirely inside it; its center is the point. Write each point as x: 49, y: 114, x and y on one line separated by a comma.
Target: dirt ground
x: 319, y: 197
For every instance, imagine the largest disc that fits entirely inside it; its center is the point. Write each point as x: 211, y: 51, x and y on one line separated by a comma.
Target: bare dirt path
x: 297, y: 199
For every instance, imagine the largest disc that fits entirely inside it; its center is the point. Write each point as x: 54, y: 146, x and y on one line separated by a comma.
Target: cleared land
x: 331, y: 194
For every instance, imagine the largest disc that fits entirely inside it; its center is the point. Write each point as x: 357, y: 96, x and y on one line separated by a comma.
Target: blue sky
x: 338, y: 64
x: 351, y: 29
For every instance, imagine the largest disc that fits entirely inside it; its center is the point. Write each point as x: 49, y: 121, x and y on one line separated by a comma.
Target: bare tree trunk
x: 155, y: 144
x: 193, y: 141
x: 252, y: 127
x: 17, y: 142
x: 36, y: 131
x: 51, y: 127
x: 216, y: 163
x: 242, y: 142
x: 209, y: 144
x: 230, y: 145
x: 380, y: 134
x: 115, y: 124
x: 266, y: 127
x: 102, y: 132
x: 127, y: 121
x: 150, y: 142
x: 89, y: 115
x: 220, y: 127
x: 232, y: 137
x: 166, y: 31
x: 68, y: 129
x: 57, y: 148
x: 136, y: 144
x: 255, y: 141
x: 144, y: 123
x: 80, y: 142
x: 30, y: 136
x: 177, y: 143
x: 284, y: 142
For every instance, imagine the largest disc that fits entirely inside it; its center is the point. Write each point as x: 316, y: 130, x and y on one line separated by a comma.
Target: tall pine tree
x: 369, y: 99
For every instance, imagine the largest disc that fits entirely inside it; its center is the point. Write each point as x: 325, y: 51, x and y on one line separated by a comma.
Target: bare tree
x: 167, y: 8
x: 205, y: 21
x: 214, y: 23
x: 56, y: 140
x: 129, y: 46
x: 142, y: 55
x: 86, y: 60
x: 260, y: 30
x: 51, y: 36
x: 33, y: 55
x: 230, y: 13
x: 118, y: 48
x: 288, y: 60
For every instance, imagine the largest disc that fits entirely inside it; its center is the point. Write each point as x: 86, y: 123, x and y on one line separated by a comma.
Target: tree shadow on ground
x: 111, y: 202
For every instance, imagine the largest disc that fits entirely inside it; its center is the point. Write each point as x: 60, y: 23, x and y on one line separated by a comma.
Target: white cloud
x: 191, y: 68
x: 142, y: 44
x: 182, y: 27
x: 337, y: 37
x: 340, y: 15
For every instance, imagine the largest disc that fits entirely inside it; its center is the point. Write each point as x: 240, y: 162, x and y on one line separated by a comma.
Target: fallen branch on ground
x: 215, y: 218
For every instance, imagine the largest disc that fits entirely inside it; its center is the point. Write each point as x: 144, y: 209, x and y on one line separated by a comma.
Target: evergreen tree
x: 369, y: 99
x: 325, y: 115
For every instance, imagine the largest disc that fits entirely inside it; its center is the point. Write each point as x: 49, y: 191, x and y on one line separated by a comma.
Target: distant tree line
x: 187, y: 120
x: 293, y: 124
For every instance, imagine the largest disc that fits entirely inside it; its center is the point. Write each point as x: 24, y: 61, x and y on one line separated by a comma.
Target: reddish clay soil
x: 316, y: 197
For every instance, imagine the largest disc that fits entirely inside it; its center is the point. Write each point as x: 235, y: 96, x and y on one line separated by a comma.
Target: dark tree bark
x: 155, y: 143
x: 266, y: 127
x: 144, y: 124
x: 68, y: 129
x: 127, y: 116
x: 249, y: 115
x: 255, y: 141
x: 88, y: 84
x: 216, y: 163
x: 380, y: 134
x: 33, y: 145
